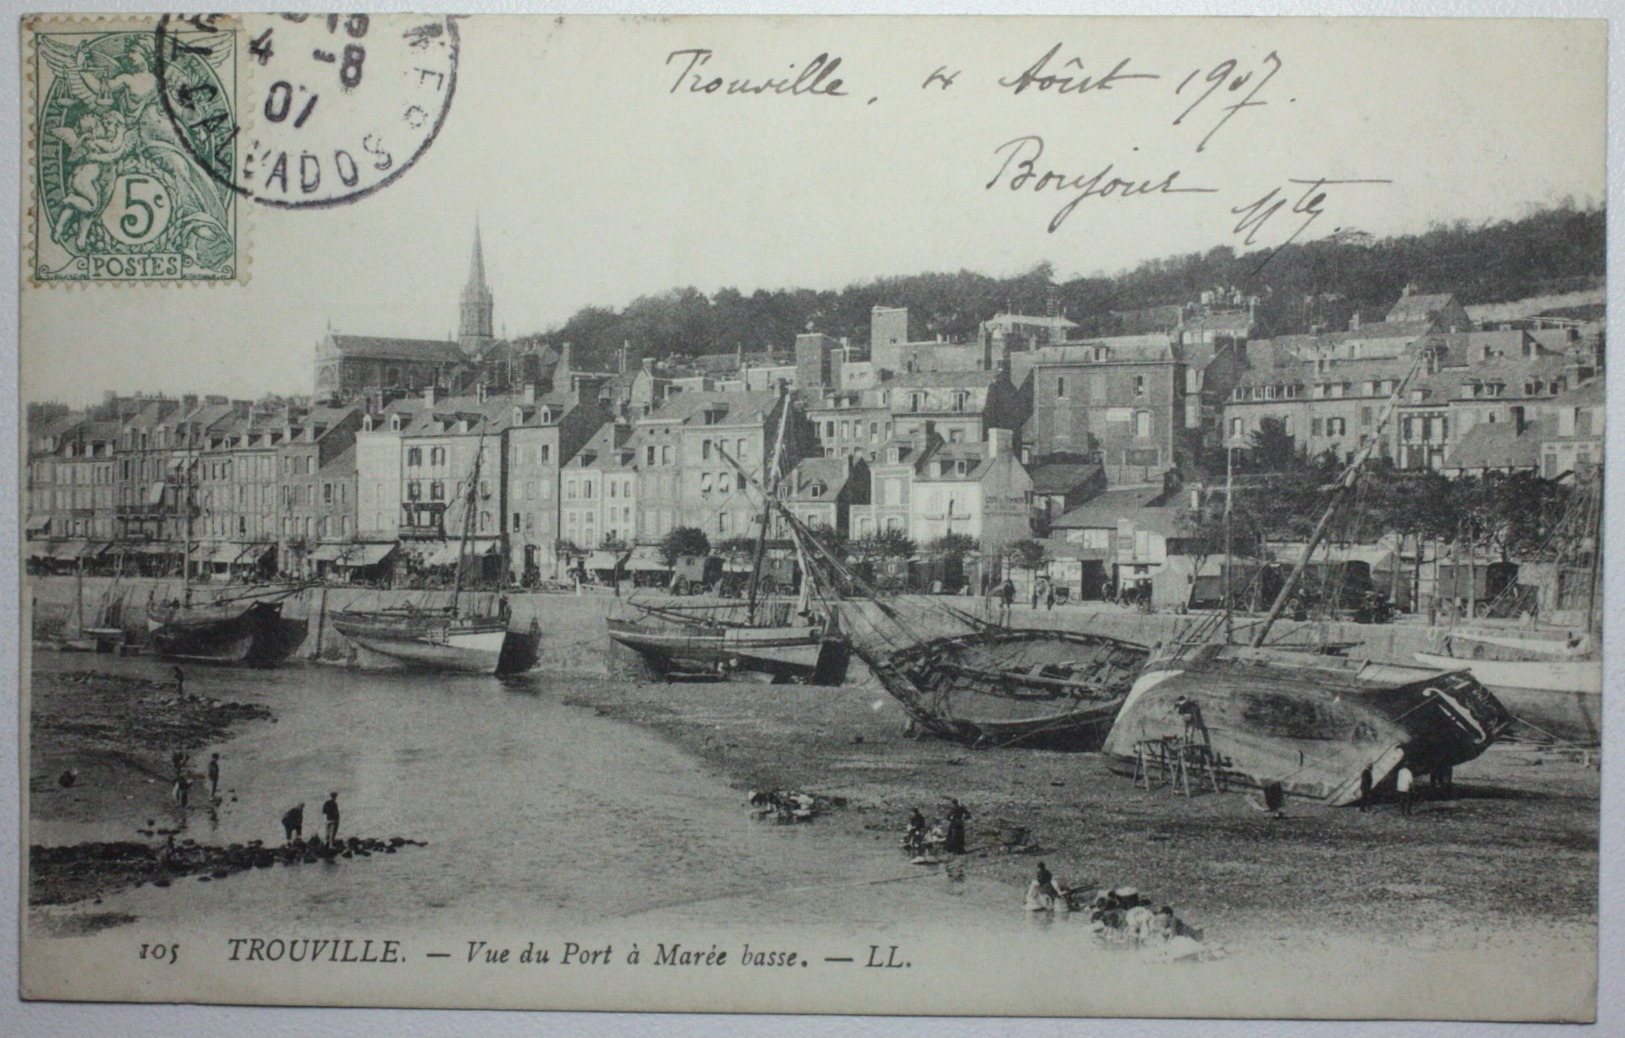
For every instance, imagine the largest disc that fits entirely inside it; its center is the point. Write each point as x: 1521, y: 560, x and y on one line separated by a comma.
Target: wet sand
x: 1514, y: 853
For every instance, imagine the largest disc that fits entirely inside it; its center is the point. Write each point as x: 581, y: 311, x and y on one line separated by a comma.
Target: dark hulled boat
x: 1012, y: 687
x: 248, y: 631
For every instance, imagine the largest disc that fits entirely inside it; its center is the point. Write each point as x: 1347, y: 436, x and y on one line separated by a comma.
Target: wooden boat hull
x: 1549, y: 699
x: 444, y: 644
x: 256, y: 634
x: 1042, y: 689
x: 786, y: 654
x: 1311, y: 723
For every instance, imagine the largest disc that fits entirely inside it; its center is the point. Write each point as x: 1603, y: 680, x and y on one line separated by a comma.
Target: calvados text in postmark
x: 335, y: 106
x: 120, y: 192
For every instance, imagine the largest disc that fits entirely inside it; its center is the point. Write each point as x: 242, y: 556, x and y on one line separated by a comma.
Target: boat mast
x: 1224, y: 574
x: 1345, y: 483
x: 470, y: 502
x: 186, y: 506
x: 767, y: 504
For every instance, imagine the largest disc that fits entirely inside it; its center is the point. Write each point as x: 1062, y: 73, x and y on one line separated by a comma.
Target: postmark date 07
x: 170, y: 953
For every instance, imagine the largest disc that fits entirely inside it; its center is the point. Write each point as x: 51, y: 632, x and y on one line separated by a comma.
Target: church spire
x: 474, y: 328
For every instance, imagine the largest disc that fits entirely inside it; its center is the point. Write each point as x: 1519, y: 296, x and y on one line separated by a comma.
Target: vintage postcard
x: 908, y: 515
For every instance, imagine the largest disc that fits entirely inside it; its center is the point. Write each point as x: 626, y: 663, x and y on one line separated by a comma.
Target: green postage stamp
x: 130, y: 143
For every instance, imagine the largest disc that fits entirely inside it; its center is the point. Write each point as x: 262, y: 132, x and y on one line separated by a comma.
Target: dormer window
x: 395, y: 422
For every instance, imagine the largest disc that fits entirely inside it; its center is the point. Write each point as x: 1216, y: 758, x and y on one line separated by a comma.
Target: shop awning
x: 95, y: 549
x: 445, y: 555
x: 354, y: 556
x: 605, y: 560
x: 39, y: 551
x: 155, y: 493
x: 646, y: 559
x: 68, y: 549
x: 159, y: 548
x: 246, y: 553
x: 327, y: 552
x: 38, y: 523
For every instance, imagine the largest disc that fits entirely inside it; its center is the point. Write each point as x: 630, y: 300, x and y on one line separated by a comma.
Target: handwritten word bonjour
x: 1019, y: 172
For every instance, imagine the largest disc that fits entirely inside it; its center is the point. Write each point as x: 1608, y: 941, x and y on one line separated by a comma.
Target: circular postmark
x: 331, y: 107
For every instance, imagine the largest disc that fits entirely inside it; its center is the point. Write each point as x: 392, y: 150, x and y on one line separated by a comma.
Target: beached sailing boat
x: 1548, y: 673
x: 1308, y: 721
x: 235, y: 627
x: 961, y: 678
x: 447, y: 638
x: 767, y: 641
x: 104, y: 633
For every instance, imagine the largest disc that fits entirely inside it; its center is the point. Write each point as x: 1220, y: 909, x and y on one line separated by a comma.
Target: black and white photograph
x: 925, y: 516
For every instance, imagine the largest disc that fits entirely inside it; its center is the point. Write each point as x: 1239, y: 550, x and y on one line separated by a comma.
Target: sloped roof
x: 341, y: 464
x: 1104, y: 510
x: 1494, y: 446
x: 1060, y: 477
x: 684, y: 407
x: 1420, y: 307
x: 832, y: 472
x: 433, y: 351
x: 939, y: 379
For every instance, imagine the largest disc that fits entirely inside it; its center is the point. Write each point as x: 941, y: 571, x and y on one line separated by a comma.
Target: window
x: 705, y: 450
x: 1139, y: 385
x: 613, y: 487
x: 414, y: 491
x: 724, y: 484
x: 1060, y: 389
x: 705, y: 482
x: 414, y: 457
x: 485, y: 522
x: 437, y: 455
x: 650, y: 454
x: 546, y: 453
x: 874, y: 431
x: 1365, y: 416
x: 516, y: 522
x: 1337, y: 427
x: 327, y: 493
x: 665, y: 454
x: 829, y: 429
x: 959, y: 401
x: 914, y: 401
x: 1314, y: 426
x: 1142, y: 424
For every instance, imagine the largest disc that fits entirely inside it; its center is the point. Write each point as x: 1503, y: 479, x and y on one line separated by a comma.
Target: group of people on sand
x: 293, y: 820
x: 181, y: 791
x: 947, y: 835
x: 1116, y: 914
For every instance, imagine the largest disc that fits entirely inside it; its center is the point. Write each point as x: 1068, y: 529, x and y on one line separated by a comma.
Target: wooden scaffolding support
x: 1175, y: 759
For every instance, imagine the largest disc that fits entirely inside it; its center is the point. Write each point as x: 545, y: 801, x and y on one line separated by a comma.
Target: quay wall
x: 574, y: 639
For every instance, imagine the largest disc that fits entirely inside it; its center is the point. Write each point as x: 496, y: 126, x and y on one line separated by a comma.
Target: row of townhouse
x: 1443, y: 387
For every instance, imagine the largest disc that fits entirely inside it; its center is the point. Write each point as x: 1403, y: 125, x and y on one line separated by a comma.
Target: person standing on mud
x: 957, y: 816
x: 1049, y: 598
x: 1007, y: 596
x: 1365, y: 789
x: 180, y: 682
x: 214, y: 776
x: 1404, y: 782
x: 330, y: 811
x: 293, y: 822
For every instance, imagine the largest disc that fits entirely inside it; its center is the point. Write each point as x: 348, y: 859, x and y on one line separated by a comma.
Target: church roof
x: 434, y: 351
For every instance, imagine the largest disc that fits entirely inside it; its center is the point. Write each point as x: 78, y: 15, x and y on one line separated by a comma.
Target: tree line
x: 1298, y: 286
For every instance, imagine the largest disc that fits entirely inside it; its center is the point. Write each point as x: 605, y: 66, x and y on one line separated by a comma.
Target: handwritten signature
x: 1310, y: 205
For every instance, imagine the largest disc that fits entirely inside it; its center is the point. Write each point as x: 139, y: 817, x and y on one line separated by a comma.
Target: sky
x: 594, y: 181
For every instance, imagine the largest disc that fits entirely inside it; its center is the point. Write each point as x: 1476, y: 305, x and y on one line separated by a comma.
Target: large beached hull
x: 1550, y: 700
x: 1311, y: 723
x: 441, y: 645
x: 256, y: 635
x: 801, y: 654
x: 1000, y: 687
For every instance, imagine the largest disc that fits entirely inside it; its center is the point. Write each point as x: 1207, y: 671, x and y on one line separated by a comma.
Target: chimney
x: 999, y: 442
x: 428, y: 396
x: 479, y: 392
x: 649, y: 365
x: 530, y: 392
x: 626, y: 348
x: 188, y: 403
x: 1354, y: 322
x: 564, y: 368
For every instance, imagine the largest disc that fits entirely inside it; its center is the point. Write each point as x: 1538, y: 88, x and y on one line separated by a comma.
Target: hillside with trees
x: 1553, y: 250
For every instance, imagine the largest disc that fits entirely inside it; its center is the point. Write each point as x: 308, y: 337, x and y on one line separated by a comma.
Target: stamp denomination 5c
x: 119, y: 191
